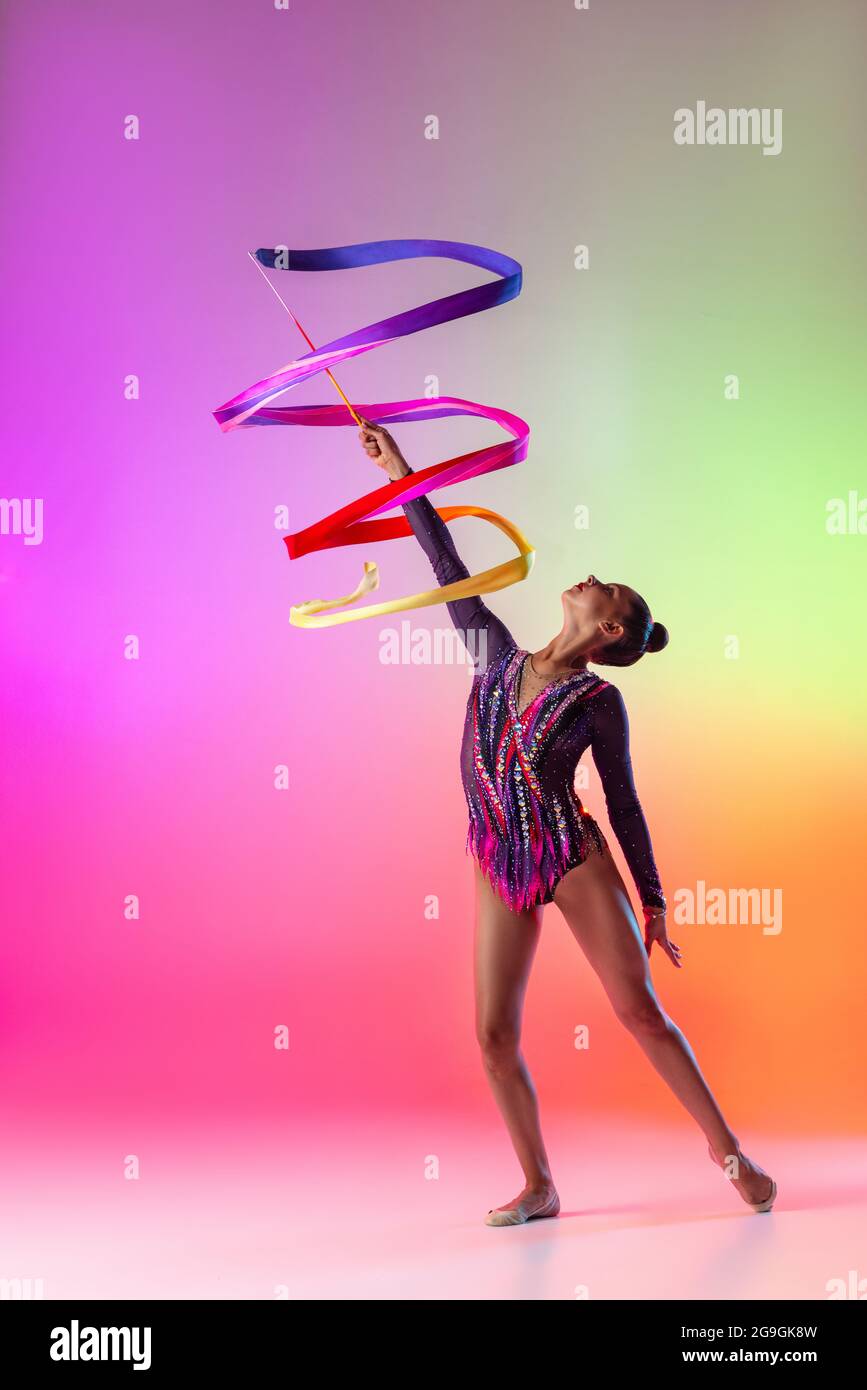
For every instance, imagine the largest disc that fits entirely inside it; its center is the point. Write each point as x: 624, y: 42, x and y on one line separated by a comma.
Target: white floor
x: 393, y: 1207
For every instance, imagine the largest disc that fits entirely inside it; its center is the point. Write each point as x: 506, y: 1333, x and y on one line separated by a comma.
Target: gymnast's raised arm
x: 490, y: 637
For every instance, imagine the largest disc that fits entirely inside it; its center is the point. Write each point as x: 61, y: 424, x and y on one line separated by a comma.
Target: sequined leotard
x: 527, y: 825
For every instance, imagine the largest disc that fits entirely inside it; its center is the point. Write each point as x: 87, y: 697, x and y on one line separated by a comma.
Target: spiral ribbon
x: 350, y: 525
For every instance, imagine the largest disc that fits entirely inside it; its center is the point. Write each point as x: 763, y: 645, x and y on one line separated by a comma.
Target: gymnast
x: 530, y: 716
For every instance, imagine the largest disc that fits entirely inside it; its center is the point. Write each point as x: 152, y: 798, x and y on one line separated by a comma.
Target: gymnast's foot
x: 757, y: 1188
x: 533, y: 1202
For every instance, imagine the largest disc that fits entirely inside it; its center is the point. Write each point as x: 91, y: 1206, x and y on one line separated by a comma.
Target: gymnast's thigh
x: 504, y: 948
x: 596, y: 905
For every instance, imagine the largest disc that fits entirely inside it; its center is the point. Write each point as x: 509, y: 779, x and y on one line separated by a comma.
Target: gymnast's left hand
x: 656, y: 931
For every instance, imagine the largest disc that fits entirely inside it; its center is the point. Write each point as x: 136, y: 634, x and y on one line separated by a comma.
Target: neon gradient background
x: 155, y: 777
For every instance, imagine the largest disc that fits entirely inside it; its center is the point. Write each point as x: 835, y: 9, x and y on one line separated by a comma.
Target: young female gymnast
x: 530, y: 716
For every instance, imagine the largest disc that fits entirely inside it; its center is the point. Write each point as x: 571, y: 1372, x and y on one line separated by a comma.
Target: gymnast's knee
x: 642, y: 1015
x: 500, y: 1045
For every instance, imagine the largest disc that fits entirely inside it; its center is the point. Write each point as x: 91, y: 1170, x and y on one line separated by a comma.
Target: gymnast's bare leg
x: 505, y: 946
x: 594, y: 901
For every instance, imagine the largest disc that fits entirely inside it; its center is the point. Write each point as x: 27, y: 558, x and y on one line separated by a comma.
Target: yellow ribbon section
x: 314, y: 613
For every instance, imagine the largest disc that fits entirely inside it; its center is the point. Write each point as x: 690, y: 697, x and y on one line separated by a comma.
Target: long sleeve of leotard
x: 490, y: 637
x: 610, y: 747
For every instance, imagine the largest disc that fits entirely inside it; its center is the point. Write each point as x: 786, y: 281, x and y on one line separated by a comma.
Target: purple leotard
x: 527, y: 825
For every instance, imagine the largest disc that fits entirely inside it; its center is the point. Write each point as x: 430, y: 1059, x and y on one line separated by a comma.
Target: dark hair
x: 640, y: 634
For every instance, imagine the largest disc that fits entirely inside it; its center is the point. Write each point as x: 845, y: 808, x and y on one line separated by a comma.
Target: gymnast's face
x: 592, y: 604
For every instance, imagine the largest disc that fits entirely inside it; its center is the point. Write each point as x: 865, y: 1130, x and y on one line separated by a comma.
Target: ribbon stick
x: 350, y: 525
x: 311, y: 345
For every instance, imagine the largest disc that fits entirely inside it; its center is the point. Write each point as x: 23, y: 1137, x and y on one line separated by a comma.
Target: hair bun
x: 658, y: 638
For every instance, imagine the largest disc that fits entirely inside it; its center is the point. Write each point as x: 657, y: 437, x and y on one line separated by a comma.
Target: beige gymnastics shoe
x: 527, y: 1208
x: 767, y: 1202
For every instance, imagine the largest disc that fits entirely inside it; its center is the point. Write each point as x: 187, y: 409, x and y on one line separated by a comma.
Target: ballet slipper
x: 767, y: 1203
x: 523, y: 1212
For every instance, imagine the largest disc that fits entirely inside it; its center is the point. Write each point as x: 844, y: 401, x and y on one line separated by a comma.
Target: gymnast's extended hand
x: 656, y: 931
x: 379, y: 445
